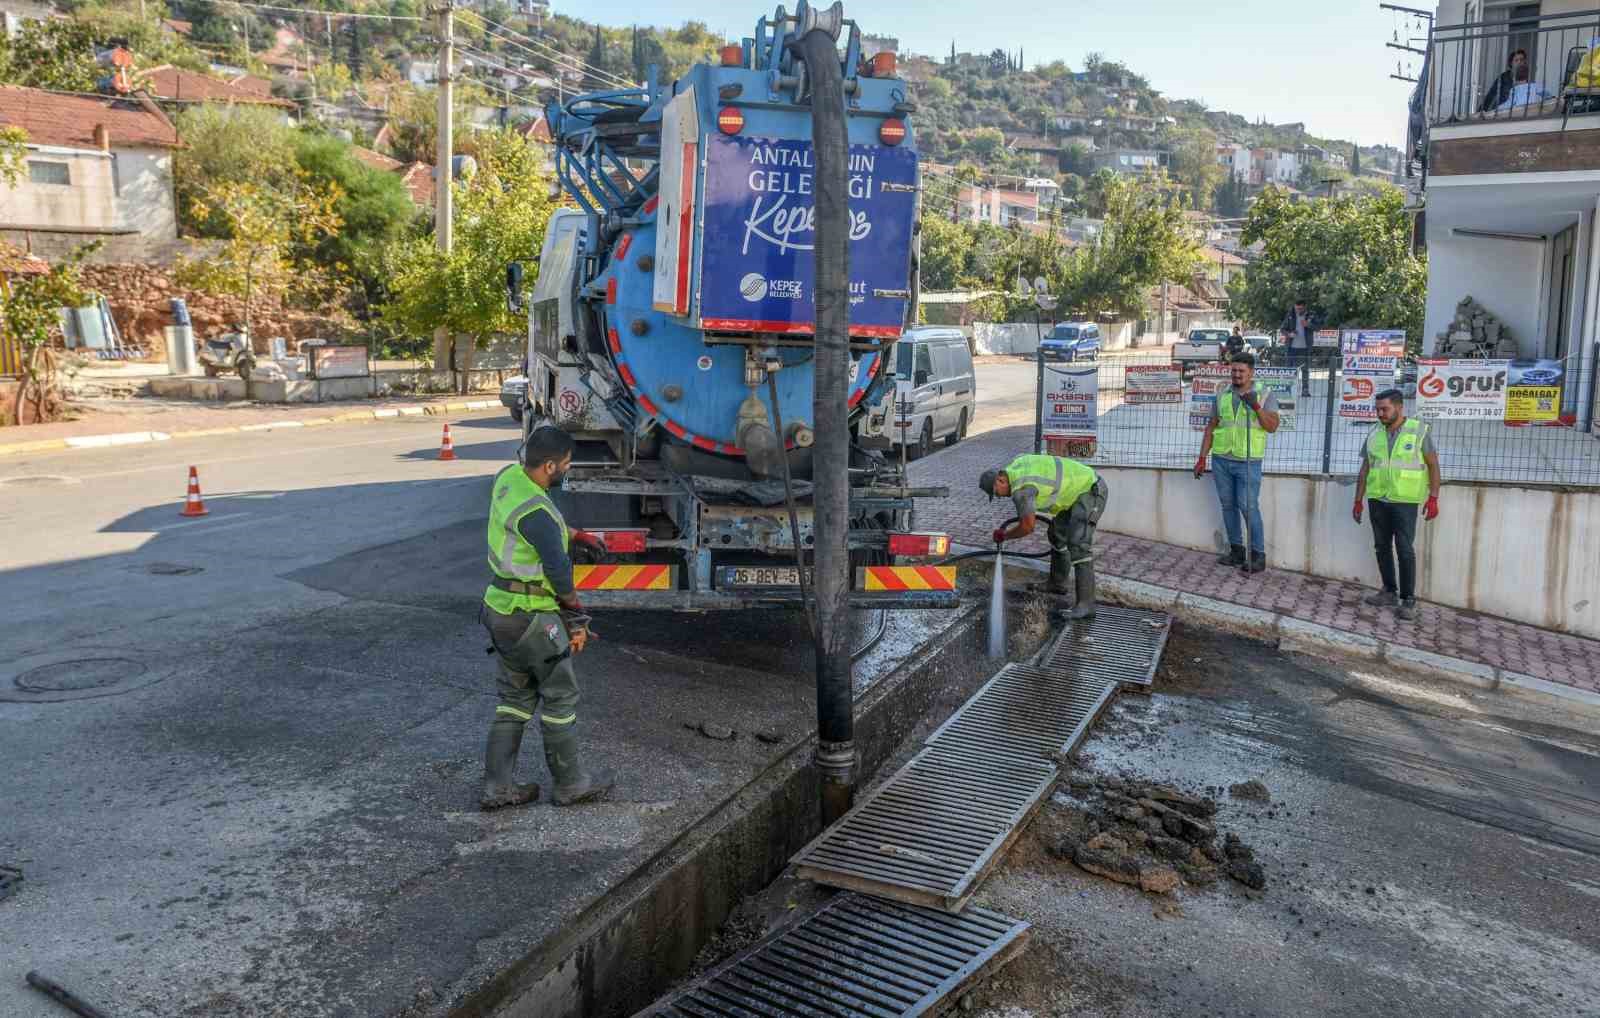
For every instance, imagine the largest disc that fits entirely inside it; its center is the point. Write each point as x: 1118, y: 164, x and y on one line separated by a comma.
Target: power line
x: 562, y: 61
x: 308, y: 10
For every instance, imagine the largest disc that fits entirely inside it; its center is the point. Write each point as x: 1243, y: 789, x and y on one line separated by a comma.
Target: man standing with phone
x: 1299, y: 330
x: 1399, y: 467
x: 1236, y: 441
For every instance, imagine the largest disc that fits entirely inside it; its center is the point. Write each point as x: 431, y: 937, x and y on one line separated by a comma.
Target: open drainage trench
x: 903, y: 938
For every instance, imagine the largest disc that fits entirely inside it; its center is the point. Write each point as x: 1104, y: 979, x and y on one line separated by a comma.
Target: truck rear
x: 671, y: 331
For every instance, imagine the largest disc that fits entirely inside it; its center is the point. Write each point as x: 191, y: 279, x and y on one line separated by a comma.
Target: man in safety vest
x: 1073, y: 496
x: 536, y: 625
x: 1399, y: 469
x: 1236, y: 441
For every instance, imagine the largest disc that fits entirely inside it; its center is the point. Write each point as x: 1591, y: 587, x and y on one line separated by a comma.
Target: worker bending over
x: 1073, y: 496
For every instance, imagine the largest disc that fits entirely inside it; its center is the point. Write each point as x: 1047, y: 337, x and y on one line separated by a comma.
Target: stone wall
x: 140, y: 298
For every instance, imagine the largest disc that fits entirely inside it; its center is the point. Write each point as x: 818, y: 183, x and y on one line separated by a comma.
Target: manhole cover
x: 68, y: 675
x: 39, y: 480
x: 79, y: 674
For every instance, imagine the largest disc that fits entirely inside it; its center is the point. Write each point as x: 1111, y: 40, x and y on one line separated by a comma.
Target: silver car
x: 514, y: 396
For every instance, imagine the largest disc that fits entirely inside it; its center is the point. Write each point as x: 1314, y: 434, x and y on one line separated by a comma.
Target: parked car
x: 514, y: 396
x: 1203, y: 346
x: 944, y: 389
x: 1260, y: 344
x: 1071, y: 341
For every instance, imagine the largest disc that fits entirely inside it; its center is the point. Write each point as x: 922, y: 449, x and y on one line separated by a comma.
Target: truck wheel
x: 960, y: 432
x: 516, y: 414
x: 925, y: 440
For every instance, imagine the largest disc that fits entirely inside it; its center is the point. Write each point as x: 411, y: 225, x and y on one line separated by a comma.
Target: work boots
x: 1257, y: 563
x: 1083, y: 608
x: 1234, y: 556
x: 1059, y: 567
x: 500, y: 768
x: 574, y: 783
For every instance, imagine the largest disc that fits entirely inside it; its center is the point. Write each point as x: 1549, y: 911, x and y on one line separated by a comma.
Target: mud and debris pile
x: 1154, y: 836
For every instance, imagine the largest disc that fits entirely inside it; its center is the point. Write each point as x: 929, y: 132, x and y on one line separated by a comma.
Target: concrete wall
x: 1523, y: 554
x: 1007, y: 337
x: 1505, y: 276
x: 124, y: 190
x: 88, y: 200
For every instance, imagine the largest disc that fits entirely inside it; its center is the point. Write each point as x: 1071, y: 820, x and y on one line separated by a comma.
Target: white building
x: 97, y: 168
x: 1512, y: 195
x: 1236, y: 160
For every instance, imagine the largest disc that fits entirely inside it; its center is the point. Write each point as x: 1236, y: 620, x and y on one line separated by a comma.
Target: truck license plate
x: 761, y: 576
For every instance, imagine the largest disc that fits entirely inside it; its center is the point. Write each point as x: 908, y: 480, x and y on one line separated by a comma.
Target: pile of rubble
x: 1156, y: 837
x: 1475, y: 333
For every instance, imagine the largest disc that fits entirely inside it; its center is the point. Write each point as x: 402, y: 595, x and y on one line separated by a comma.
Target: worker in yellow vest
x: 1236, y: 441
x: 1074, y: 497
x: 536, y: 625
x: 1399, y: 469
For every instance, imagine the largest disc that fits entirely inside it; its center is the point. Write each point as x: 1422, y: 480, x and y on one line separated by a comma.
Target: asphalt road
x: 239, y: 754
x: 1430, y: 850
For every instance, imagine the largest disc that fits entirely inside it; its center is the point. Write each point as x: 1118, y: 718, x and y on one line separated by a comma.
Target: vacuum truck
x: 670, y: 329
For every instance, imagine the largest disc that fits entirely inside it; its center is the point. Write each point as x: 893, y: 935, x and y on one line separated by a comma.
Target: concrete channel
x: 633, y: 943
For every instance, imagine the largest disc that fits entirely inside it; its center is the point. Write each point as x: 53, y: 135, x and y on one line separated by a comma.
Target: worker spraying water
x: 1074, y: 497
x: 997, y: 607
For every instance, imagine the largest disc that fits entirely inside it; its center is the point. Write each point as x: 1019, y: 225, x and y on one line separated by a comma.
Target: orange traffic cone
x: 192, y: 505
x: 447, y: 449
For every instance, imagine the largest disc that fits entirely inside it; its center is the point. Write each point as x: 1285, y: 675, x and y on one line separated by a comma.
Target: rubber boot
x: 1234, y: 556
x: 574, y: 783
x: 1257, y: 564
x: 1059, y: 567
x: 500, y: 768
x: 1084, y: 577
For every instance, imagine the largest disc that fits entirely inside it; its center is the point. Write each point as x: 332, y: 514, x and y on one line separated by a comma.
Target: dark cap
x: 986, y: 482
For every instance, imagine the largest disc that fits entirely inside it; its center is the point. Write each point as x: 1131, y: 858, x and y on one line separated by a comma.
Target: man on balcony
x: 1500, y: 91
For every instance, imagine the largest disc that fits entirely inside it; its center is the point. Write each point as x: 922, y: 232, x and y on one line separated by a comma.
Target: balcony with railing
x: 1518, y: 66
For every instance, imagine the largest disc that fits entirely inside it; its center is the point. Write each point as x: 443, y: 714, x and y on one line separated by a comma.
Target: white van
x: 944, y: 391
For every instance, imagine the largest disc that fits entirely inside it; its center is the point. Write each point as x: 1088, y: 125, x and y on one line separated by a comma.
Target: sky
x: 1319, y: 61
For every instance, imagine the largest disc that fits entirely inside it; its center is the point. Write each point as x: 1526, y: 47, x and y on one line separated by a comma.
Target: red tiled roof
x: 16, y: 262
x: 68, y: 119
x: 179, y: 85
x: 252, y: 84
x: 537, y: 129
x: 418, y: 178
x: 178, y: 25
x: 377, y: 160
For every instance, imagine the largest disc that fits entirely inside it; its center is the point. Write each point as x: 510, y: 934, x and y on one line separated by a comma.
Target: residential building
x: 1070, y: 123
x: 1236, y: 159
x: 176, y: 89
x: 421, y: 73
x: 1000, y: 206
x: 1044, y: 152
x: 871, y: 44
x: 1278, y: 166
x: 14, y: 12
x: 1511, y: 203
x: 1130, y: 160
x: 97, y: 168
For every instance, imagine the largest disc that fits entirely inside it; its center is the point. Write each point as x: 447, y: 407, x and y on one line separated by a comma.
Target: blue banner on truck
x: 759, y: 228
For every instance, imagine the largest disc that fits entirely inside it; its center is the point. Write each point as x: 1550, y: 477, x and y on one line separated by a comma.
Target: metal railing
x: 1149, y: 422
x: 1469, y: 68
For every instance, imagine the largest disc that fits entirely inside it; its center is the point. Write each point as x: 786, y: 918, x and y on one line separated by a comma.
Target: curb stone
x: 140, y: 437
x: 1299, y: 636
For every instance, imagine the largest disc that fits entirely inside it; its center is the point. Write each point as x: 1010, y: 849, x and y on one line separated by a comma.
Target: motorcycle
x: 229, y: 352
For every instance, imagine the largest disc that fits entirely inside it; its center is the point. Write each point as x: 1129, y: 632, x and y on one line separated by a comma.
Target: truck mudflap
x: 654, y: 587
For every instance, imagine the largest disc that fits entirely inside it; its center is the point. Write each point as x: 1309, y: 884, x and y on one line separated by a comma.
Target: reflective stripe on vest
x: 1238, y: 435
x: 1403, y: 475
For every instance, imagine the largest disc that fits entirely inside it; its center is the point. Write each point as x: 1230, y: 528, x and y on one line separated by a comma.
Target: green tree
x: 13, y: 154
x: 1145, y: 240
x: 414, y: 121
x: 372, y: 206
x: 1195, y: 166
x: 1315, y: 175
x: 56, y: 54
x: 266, y: 225
x: 228, y: 145
x: 1355, y: 160
x: 1075, y: 158
x: 986, y: 142
x: 500, y: 218
x: 28, y: 313
x: 1095, y: 190
x: 1349, y: 258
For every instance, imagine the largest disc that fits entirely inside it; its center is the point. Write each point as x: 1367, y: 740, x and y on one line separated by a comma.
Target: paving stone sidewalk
x: 1498, y: 643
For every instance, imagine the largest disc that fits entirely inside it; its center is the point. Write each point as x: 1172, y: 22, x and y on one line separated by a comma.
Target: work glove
x: 578, y: 632
x: 1199, y: 467
x: 1355, y: 511
x: 595, y: 541
x: 1248, y: 398
x: 1430, y: 509
x: 1000, y: 535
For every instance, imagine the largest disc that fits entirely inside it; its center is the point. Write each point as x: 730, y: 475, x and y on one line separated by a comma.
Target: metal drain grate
x: 857, y: 957
x: 1121, y: 645
x: 928, y: 833
x: 1025, y: 712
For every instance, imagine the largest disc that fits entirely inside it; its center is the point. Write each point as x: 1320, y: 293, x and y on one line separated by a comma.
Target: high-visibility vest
x: 511, y: 557
x: 1239, y: 435
x: 1055, y: 480
x: 1401, y: 475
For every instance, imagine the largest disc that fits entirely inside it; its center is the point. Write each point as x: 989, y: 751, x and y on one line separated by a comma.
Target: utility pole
x: 443, y: 219
x: 836, y: 753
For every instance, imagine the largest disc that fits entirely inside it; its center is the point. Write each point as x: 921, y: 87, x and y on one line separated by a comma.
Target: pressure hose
x: 1000, y: 549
